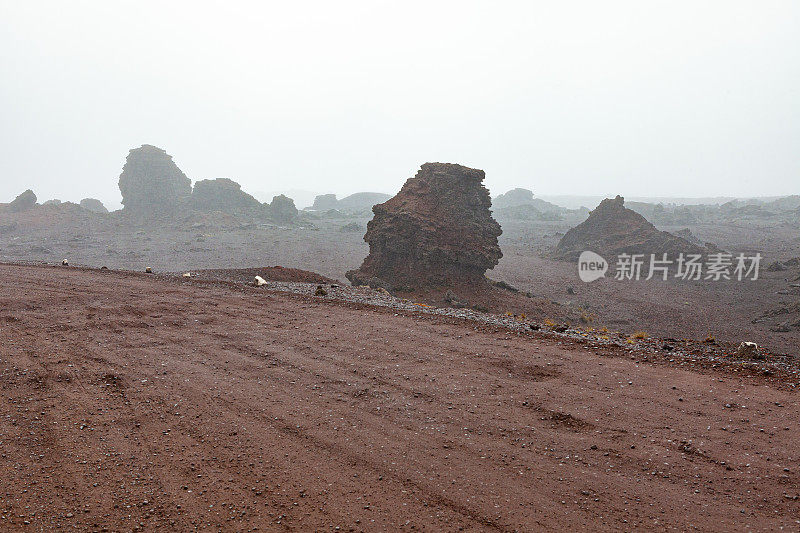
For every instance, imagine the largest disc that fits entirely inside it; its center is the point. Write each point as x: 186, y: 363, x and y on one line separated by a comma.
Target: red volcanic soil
x: 134, y: 401
x: 247, y: 275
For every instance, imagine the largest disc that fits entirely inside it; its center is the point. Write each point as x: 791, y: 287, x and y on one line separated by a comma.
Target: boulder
x: 93, y: 205
x: 151, y: 182
x: 437, y: 231
x: 613, y: 229
x: 24, y: 202
x: 749, y: 350
x: 282, y: 209
x: 225, y: 195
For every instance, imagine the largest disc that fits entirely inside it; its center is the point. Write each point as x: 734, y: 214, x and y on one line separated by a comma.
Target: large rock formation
x: 613, y: 229
x: 282, y: 209
x: 151, y: 183
x: 437, y: 231
x: 23, y: 202
x: 93, y: 205
x: 225, y: 195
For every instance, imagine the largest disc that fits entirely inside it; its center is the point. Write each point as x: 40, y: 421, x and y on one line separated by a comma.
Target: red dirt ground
x: 133, y: 401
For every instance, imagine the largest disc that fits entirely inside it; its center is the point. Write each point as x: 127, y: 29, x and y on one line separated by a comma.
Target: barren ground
x: 133, y: 401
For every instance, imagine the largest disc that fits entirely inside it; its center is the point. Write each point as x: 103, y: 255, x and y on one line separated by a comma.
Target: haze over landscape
x: 382, y: 266
x: 643, y: 99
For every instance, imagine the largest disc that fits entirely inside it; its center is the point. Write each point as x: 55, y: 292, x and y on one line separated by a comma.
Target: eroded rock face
x: 437, y: 231
x: 613, y: 229
x: 282, y: 209
x: 93, y: 205
x: 151, y: 182
x: 23, y: 202
x: 225, y: 195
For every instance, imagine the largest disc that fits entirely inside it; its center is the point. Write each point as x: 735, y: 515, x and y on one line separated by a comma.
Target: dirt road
x: 132, y: 402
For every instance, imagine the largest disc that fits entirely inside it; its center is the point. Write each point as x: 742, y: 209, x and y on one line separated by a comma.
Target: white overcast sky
x: 640, y: 98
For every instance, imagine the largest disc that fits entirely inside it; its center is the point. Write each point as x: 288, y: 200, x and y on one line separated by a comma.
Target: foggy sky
x: 638, y: 98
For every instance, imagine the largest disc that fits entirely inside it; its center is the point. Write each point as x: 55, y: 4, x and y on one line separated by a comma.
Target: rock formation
x: 93, y: 205
x: 613, y: 229
x: 225, y: 195
x: 282, y: 209
x: 437, y: 231
x: 513, y: 198
x: 151, y: 183
x: 325, y: 202
x: 23, y: 202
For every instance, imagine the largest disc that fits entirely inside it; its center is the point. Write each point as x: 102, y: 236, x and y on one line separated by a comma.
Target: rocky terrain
x: 144, y: 402
x: 437, y: 231
x: 613, y: 229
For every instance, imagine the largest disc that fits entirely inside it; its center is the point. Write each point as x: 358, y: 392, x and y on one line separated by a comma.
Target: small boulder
x: 749, y: 350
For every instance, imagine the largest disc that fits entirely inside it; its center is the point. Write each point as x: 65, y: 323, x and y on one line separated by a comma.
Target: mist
x: 642, y: 99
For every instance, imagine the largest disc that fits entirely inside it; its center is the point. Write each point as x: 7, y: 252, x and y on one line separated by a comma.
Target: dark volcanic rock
x: 437, y: 231
x: 225, y: 195
x: 613, y: 229
x: 152, y: 183
x: 23, y: 202
x: 93, y: 205
x: 282, y: 209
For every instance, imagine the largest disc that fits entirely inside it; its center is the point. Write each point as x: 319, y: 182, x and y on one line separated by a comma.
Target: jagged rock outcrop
x: 52, y: 202
x: 23, y: 202
x: 282, y: 209
x: 325, y: 202
x: 93, y: 205
x: 151, y: 182
x: 225, y: 195
x: 613, y: 229
x: 437, y: 231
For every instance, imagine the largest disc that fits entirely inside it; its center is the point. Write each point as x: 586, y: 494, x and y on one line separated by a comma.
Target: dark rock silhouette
x: 23, y: 202
x: 613, y: 229
x: 93, y: 205
x: 151, y: 182
x: 437, y: 231
x: 225, y: 195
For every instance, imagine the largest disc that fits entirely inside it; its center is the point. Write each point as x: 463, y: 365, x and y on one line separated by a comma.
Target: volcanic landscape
x: 424, y: 361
